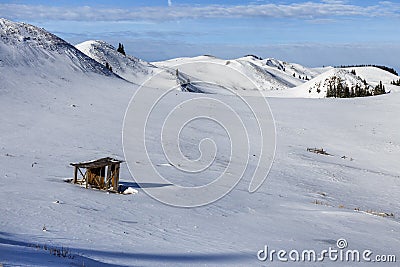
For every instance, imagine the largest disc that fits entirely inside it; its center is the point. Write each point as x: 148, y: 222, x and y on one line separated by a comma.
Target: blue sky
x: 314, y: 33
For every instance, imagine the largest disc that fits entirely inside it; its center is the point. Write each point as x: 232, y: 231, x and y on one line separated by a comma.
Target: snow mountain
x: 265, y: 75
x: 206, y: 74
x: 374, y: 75
x: 296, y: 73
x: 365, y: 78
x: 203, y: 71
x: 128, y: 67
x: 319, y: 86
x: 25, y: 45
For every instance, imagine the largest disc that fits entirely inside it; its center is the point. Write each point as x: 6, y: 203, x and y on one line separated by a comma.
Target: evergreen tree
x: 357, y: 90
x: 121, y: 49
x: 352, y: 93
x: 334, y: 90
x: 379, y: 89
x: 108, y: 66
x: 340, y: 89
x: 329, y: 91
x: 394, y: 82
x: 346, y: 92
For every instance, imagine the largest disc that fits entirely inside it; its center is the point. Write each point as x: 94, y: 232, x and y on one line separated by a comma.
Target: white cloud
x: 307, y: 10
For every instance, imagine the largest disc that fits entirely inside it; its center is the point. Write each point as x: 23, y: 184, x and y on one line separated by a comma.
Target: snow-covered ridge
x: 266, y: 74
x: 298, y: 71
x: 16, y: 33
x: 128, y: 67
x: 361, y: 78
x: 26, y: 45
x: 319, y: 85
x: 22, y: 44
x: 374, y: 75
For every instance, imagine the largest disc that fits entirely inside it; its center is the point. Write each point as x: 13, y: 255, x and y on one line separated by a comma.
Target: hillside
x: 366, y: 78
x: 207, y: 74
x: 294, y: 71
x: 263, y: 75
x: 128, y: 67
x: 318, y: 86
x: 374, y: 75
x: 24, y: 45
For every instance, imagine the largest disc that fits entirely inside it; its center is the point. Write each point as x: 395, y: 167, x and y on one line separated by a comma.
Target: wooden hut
x: 102, y: 173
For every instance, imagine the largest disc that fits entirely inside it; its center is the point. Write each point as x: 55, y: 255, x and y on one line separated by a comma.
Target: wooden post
x: 108, y: 177
x: 75, y: 175
x: 115, y: 179
x: 87, y: 176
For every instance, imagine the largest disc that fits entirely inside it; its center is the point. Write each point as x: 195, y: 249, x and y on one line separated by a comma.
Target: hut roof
x: 98, y: 163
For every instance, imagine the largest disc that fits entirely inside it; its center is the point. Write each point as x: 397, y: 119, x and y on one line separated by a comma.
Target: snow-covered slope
x: 365, y: 78
x: 128, y: 67
x: 42, y: 135
x: 25, y: 45
x: 205, y: 74
x: 375, y: 75
x: 293, y: 70
x: 318, y: 86
x: 265, y: 75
